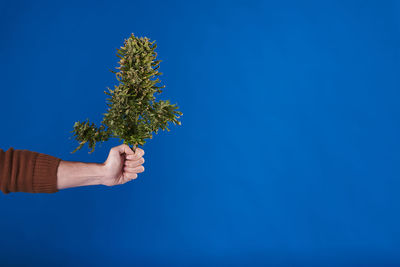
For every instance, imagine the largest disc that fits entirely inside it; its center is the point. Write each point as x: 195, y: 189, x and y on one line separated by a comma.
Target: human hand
x: 122, y: 165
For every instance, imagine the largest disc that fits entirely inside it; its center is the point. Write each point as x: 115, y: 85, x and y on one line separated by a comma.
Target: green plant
x: 133, y: 113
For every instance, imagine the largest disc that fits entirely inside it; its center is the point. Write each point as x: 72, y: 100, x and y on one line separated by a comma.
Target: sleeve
x: 28, y: 171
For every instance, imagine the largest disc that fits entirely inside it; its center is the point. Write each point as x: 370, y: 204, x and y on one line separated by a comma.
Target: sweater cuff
x: 45, y: 174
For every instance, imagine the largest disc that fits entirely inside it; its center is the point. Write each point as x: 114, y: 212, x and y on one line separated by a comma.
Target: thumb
x: 124, y: 148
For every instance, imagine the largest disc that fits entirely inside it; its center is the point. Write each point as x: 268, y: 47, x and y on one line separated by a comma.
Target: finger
x: 137, y: 155
x: 137, y: 169
x: 134, y: 163
x: 139, y: 151
x: 130, y: 176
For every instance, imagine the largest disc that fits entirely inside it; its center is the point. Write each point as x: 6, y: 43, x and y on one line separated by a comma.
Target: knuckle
x: 140, y: 151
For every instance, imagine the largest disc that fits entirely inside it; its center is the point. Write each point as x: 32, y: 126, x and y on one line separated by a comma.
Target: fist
x: 122, y: 165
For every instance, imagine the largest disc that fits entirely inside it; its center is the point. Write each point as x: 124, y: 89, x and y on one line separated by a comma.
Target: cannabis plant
x: 133, y: 113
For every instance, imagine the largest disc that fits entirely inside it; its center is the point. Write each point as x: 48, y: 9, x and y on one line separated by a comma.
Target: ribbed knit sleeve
x: 28, y: 171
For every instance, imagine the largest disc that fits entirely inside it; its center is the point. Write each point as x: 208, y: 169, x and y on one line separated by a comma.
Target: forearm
x: 74, y: 174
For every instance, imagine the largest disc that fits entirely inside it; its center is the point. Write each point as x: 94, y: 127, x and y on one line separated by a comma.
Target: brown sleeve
x: 28, y: 171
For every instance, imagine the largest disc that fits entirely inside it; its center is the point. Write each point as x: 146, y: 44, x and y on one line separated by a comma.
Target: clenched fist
x: 122, y: 165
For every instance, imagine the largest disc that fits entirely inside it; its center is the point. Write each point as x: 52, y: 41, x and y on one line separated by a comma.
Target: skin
x: 121, y: 166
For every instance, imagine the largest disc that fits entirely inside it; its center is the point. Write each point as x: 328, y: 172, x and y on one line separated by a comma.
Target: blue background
x: 288, y: 153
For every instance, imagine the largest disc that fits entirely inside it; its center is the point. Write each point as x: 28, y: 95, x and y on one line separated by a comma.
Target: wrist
x: 95, y: 173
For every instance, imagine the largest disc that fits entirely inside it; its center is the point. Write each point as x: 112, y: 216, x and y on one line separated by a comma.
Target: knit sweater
x: 28, y: 171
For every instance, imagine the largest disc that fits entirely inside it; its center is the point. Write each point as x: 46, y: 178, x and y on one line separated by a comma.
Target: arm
x: 74, y: 174
x: 33, y: 172
x: 27, y: 171
x: 121, y: 166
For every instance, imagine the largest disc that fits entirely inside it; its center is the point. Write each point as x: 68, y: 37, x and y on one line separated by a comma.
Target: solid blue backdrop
x: 288, y: 153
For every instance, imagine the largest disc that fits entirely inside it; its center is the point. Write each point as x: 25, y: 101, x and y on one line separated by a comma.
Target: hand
x: 122, y: 165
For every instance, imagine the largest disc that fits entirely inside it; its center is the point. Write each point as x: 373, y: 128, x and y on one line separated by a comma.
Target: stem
x: 134, y: 148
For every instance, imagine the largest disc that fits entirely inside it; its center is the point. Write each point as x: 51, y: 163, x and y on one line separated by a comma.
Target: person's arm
x: 33, y: 172
x: 121, y: 166
x: 27, y: 171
